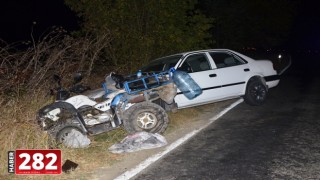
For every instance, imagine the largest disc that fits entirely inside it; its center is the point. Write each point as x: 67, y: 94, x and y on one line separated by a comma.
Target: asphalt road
x: 278, y: 140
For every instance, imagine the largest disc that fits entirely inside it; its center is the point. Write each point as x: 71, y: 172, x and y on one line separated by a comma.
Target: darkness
x: 18, y: 17
x: 306, y: 28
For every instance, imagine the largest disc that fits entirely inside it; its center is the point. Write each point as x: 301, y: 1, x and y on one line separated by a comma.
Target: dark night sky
x: 306, y: 29
x: 17, y: 17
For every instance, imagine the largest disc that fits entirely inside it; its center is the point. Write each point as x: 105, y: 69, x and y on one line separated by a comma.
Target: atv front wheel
x: 145, y: 116
x: 68, y: 133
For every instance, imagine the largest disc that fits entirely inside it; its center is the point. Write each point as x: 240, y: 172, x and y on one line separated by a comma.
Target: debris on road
x: 138, y: 141
x: 76, y: 139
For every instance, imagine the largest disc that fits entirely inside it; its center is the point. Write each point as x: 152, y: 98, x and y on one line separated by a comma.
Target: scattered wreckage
x: 138, y: 102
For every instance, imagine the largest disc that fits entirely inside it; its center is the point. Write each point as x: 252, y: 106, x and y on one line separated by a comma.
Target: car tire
x: 145, y: 116
x: 256, y: 92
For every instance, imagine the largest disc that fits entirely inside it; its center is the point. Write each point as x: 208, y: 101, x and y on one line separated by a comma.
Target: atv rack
x: 148, y: 81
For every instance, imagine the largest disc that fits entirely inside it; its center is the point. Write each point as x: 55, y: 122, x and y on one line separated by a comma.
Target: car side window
x: 222, y: 59
x: 195, y: 63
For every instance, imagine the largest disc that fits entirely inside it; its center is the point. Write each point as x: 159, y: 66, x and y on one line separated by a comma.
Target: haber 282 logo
x: 34, y: 161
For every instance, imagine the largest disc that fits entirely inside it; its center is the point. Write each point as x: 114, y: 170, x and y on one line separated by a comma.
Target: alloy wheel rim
x: 258, y: 92
x: 147, y: 120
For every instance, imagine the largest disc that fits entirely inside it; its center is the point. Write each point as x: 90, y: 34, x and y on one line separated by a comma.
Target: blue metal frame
x: 159, y: 79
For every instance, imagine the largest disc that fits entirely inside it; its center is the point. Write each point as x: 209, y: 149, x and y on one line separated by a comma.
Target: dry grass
x: 185, y: 116
x: 180, y: 118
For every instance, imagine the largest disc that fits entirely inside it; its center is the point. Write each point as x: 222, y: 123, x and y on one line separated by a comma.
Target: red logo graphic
x: 38, y: 161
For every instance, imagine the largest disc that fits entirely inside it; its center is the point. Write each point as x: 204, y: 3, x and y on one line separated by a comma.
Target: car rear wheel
x: 256, y: 92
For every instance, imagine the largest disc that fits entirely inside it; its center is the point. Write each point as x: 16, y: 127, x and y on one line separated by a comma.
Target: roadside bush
x: 33, y: 64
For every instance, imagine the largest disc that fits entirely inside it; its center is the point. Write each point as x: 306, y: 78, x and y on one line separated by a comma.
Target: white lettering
x: 11, y: 170
x: 11, y: 162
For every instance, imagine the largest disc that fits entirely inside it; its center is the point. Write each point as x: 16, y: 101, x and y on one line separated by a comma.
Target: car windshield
x: 162, y: 64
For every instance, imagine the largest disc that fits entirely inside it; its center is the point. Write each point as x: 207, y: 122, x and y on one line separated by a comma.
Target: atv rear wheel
x: 145, y: 116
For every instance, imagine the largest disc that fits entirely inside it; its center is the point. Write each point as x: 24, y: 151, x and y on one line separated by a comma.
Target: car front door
x: 200, y: 68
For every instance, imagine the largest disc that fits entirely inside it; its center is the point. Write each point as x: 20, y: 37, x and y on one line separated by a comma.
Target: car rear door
x: 201, y: 68
x: 232, y: 71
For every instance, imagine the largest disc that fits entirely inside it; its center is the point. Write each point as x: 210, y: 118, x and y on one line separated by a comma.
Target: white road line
x: 225, y: 110
x: 134, y: 171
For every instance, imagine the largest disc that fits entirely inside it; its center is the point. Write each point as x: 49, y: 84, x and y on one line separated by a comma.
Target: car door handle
x: 246, y: 69
x: 212, y: 75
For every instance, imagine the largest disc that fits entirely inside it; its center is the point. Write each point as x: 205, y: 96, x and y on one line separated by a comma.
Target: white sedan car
x: 222, y: 74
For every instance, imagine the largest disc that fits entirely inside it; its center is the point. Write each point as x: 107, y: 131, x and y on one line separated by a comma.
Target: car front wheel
x: 256, y: 92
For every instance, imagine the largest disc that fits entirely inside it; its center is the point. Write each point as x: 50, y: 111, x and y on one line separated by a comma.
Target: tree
x: 144, y: 29
x: 247, y: 23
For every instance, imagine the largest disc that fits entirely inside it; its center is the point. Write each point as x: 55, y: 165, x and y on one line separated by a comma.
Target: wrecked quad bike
x: 138, y: 104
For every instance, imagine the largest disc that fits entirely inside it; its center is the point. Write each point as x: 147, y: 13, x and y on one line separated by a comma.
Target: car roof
x: 198, y: 51
x: 205, y: 50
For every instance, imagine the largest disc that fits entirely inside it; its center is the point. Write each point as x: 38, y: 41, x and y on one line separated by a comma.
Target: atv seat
x: 96, y: 94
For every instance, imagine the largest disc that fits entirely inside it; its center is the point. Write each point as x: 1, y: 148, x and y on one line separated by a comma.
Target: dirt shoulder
x: 178, y: 129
